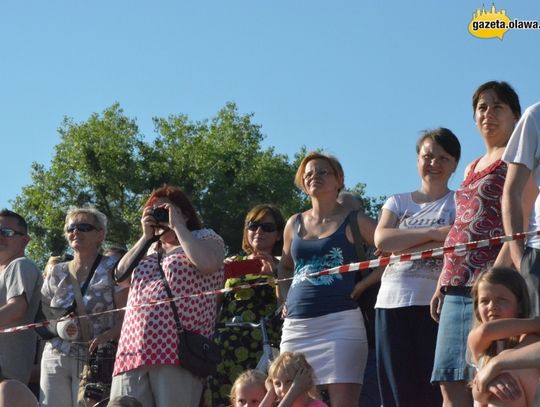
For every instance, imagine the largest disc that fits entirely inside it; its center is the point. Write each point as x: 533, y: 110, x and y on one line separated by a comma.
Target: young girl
x: 248, y: 389
x: 291, y: 383
x: 501, y: 309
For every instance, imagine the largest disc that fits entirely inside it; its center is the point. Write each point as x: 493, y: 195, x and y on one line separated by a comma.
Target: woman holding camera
x: 65, y: 355
x: 147, y: 363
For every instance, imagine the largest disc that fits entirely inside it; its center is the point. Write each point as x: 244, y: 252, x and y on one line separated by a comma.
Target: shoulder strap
x: 78, y: 292
x: 169, y: 292
x: 357, y: 237
x: 140, y: 254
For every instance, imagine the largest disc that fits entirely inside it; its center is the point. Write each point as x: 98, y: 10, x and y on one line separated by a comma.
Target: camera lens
x: 161, y: 215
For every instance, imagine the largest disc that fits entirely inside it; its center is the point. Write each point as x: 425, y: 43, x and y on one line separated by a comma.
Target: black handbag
x: 196, y: 352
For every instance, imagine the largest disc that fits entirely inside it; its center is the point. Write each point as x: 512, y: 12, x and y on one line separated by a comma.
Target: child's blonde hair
x: 289, y: 363
x: 248, y: 377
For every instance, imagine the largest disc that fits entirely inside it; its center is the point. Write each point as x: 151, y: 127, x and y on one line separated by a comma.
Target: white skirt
x: 335, y: 345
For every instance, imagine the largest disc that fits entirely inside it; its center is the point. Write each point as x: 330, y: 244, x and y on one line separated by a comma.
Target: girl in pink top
x: 291, y: 383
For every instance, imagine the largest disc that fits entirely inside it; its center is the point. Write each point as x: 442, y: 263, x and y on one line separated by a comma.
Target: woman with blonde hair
x: 63, y: 356
x: 322, y: 319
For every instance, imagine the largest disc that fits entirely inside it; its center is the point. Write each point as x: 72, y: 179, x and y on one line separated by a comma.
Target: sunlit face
x: 493, y: 117
x: 249, y: 395
x: 495, y: 301
x: 319, y: 176
x: 11, y: 245
x: 88, y: 239
x: 434, y: 163
x: 259, y: 237
x: 281, y: 382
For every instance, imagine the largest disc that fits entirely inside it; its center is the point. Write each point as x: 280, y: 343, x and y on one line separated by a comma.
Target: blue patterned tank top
x: 316, y: 296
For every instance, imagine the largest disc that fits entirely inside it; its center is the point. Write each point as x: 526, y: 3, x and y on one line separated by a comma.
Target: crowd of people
x: 458, y: 330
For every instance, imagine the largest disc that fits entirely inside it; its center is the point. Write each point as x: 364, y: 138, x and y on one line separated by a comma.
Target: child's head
x: 500, y: 292
x: 284, y: 369
x: 248, y: 389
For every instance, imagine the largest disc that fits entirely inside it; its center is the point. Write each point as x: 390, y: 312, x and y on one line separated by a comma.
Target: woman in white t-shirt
x: 410, y: 222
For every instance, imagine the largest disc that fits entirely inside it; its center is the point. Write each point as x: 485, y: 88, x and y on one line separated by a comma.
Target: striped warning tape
x: 461, y: 248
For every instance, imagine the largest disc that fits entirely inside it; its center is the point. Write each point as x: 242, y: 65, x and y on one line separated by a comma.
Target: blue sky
x: 359, y: 79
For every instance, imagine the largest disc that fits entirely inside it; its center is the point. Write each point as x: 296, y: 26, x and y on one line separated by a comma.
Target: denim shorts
x: 450, y: 364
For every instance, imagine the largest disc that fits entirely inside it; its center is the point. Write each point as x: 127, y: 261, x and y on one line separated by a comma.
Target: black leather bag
x: 198, y: 354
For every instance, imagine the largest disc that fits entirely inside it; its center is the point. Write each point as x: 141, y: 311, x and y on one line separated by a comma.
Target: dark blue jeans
x: 406, y: 340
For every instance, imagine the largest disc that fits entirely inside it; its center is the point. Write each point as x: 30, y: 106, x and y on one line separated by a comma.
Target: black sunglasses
x: 81, y: 227
x: 6, y: 232
x: 266, y: 226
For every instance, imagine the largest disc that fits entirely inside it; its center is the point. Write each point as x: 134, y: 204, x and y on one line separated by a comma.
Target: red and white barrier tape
x: 346, y: 268
x: 461, y: 248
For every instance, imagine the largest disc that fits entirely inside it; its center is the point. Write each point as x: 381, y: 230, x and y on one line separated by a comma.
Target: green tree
x: 105, y: 162
x: 97, y: 162
x: 223, y: 167
x: 372, y: 205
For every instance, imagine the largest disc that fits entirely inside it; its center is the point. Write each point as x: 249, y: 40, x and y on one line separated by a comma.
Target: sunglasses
x: 6, y: 232
x: 266, y: 226
x: 80, y: 227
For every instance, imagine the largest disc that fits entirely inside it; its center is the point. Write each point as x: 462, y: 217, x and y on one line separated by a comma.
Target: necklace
x: 82, y: 269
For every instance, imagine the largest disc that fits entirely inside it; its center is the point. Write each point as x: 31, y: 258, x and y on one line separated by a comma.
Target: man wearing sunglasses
x: 20, y: 285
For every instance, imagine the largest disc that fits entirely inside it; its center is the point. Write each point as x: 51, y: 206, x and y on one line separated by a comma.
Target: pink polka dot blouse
x: 149, y: 336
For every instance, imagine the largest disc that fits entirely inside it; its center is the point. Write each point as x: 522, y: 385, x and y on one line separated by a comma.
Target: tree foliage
x: 105, y: 162
x: 372, y: 205
x: 96, y: 163
x: 220, y: 163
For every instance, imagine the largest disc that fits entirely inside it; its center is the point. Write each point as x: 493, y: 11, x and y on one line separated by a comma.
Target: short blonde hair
x: 289, y: 363
x: 249, y: 377
x: 99, y: 217
x: 314, y: 155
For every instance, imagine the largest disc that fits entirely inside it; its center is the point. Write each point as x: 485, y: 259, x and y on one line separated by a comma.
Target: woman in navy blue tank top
x: 322, y: 319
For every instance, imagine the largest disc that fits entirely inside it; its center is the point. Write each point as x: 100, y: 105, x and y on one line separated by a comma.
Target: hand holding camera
x: 154, y: 217
x: 160, y: 214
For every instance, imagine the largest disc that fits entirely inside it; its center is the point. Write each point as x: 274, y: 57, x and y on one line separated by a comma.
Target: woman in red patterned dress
x: 147, y: 366
x: 478, y: 216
